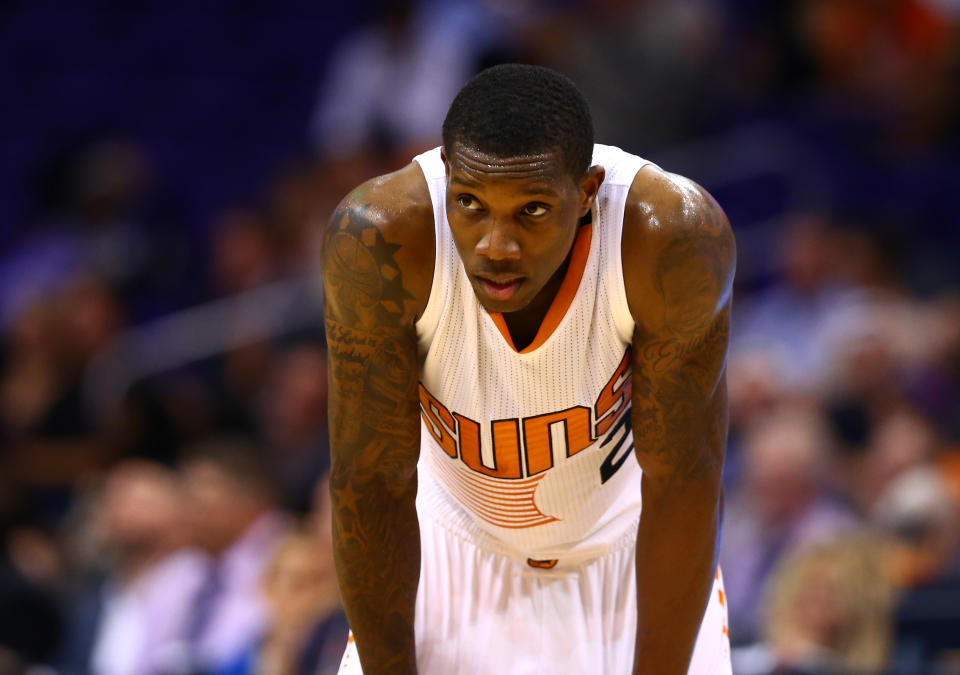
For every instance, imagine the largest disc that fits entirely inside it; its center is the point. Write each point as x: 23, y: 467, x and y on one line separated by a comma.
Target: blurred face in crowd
x: 89, y: 316
x: 783, y: 465
x: 829, y: 607
x: 220, y: 507
x: 111, y: 178
x: 295, y: 400
x: 819, y: 614
x: 806, y: 256
x: 903, y: 439
x: 300, y: 581
x: 32, y: 329
x: 142, y: 508
x: 514, y: 221
x: 242, y: 251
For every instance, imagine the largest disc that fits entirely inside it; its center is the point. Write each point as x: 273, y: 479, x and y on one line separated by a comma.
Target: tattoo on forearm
x: 375, y: 439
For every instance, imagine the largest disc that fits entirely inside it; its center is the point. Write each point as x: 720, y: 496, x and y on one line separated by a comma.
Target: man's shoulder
x: 673, y: 228
x: 662, y: 206
x: 381, y: 236
x: 398, y: 204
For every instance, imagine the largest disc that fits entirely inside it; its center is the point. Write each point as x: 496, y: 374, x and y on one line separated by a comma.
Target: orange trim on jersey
x: 523, y: 512
x: 504, y: 503
x: 542, y: 564
x: 566, y: 294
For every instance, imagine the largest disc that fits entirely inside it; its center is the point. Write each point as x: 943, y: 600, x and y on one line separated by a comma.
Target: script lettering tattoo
x: 679, y: 392
x: 375, y: 438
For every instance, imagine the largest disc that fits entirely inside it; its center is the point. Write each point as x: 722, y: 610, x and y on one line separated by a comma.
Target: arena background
x: 165, y: 171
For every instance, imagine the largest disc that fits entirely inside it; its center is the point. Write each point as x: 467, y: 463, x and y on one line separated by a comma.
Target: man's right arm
x: 374, y: 432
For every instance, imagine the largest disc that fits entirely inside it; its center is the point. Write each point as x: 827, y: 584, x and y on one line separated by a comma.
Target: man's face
x: 513, y: 220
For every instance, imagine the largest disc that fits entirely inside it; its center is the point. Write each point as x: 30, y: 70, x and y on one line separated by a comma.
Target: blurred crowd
x: 163, y: 437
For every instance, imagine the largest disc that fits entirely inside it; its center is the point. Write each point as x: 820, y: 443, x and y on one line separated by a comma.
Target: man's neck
x: 525, y: 323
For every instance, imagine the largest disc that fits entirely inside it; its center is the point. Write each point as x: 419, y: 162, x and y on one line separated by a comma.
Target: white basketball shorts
x: 480, y: 612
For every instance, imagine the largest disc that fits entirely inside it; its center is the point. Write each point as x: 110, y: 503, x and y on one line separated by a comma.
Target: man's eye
x: 535, y: 210
x: 468, y: 202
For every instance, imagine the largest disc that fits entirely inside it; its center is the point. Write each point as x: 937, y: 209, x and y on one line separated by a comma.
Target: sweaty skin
x: 514, y: 221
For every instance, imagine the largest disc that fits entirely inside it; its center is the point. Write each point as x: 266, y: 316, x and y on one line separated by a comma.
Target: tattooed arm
x: 376, y: 280
x: 679, y: 259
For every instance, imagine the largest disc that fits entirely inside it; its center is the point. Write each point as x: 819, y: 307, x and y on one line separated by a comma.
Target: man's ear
x: 590, y: 186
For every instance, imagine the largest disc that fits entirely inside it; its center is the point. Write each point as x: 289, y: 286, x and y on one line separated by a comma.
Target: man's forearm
x: 677, y: 539
x: 377, y: 552
x: 375, y: 442
x: 675, y: 568
x: 680, y: 423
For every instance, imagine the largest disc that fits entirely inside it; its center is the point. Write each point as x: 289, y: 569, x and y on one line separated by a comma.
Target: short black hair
x: 517, y: 109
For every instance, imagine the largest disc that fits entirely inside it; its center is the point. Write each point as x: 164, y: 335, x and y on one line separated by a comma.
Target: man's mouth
x: 500, y: 288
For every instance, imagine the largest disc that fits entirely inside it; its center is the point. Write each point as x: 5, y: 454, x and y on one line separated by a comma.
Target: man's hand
x: 679, y: 258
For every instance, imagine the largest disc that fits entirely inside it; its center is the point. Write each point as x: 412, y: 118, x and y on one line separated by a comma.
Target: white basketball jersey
x: 531, y: 453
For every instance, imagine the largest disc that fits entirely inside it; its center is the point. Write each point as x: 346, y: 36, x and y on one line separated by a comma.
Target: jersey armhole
x: 426, y: 325
x: 623, y: 319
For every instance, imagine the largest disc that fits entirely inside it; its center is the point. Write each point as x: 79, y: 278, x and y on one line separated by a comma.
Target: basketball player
x: 511, y: 319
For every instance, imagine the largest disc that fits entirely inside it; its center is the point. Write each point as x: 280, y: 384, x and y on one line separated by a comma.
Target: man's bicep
x: 372, y: 349
x: 363, y: 282
x: 679, y: 401
x: 680, y: 345
x: 699, y: 357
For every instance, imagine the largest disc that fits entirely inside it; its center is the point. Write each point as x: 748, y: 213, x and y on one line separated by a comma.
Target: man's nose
x: 498, y: 243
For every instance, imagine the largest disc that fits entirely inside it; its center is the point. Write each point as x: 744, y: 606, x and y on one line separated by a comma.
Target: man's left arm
x: 679, y: 285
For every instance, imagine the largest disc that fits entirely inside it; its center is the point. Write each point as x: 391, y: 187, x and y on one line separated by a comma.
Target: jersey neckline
x: 579, y: 255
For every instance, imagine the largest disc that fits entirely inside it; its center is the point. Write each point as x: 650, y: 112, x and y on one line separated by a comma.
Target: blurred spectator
x: 31, y: 377
x: 50, y: 436
x: 781, y: 507
x: 298, y: 206
x: 30, y: 621
x: 292, y: 409
x: 756, y: 387
x: 99, y: 219
x: 308, y: 629
x: 390, y: 83
x: 918, y: 511
x: 242, y: 254
x: 230, y: 501
x: 121, y: 620
x: 645, y: 67
x: 829, y: 611
x: 900, y: 440
x: 788, y: 321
